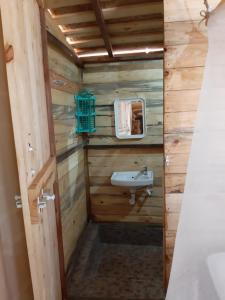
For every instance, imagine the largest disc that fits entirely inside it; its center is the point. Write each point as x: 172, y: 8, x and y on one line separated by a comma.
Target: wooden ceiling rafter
x: 72, y: 9
x: 119, y: 3
x: 109, y: 13
x: 151, y: 17
x: 53, y: 4
x: 123, y: 42
x: 58, y: 3
x: 127, y: 47
x: 124, y: 34
x: 101, y: 23
x: 104, y: 59
x: 56, y: 36
x: 109, y: 25
x: 67, y: 52
x: 136, y: 18
x: 104, y: 5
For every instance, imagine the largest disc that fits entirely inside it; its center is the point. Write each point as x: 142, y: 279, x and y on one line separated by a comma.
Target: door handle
x: 39, y: 190
x: 41, y: 202
x: 41, y: 205
x: 48, y: 196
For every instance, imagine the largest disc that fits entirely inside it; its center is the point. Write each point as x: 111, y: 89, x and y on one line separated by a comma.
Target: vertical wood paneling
x: 65, y: 82
x: 73, y: 200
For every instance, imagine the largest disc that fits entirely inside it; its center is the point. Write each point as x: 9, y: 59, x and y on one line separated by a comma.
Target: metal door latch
x: 48, y: 196
x: 18, y: 201
x: 41, y: 205
x: 40, y: 188
x: 45, y: 196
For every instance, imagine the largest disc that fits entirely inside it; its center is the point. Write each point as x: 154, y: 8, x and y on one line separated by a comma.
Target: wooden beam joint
x: 52, y: 39
x: 103, y: 28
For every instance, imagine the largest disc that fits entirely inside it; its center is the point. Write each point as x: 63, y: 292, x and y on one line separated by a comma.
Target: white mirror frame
x: 116, y: 112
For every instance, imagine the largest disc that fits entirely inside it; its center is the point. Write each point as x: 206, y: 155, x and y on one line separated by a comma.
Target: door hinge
x: 167, y: 160
x: 18, y: 201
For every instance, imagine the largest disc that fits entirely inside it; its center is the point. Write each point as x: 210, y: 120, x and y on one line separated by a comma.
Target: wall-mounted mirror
x: 130, y: 118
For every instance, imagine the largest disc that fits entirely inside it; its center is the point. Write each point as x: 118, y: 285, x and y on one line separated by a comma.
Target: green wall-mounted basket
x: 85, y: 111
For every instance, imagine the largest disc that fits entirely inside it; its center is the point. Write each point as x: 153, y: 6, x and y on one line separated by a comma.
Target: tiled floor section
x: 118, y: 261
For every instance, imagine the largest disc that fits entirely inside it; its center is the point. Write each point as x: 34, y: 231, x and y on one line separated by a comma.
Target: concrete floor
x: 118, y: 261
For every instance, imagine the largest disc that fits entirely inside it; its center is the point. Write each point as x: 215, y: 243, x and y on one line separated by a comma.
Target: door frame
x: 52, y: 145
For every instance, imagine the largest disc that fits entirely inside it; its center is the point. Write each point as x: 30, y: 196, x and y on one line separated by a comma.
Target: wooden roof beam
x: 67, y: 52
x: 116, y: 14
x: 128, y: 46
x: 101, y: 23
x: 104, y: 59
x: 56, y: 37
x: 65, y: 3
x: 93, y: 37
x: 156, y: 37
x: 58, y: 4
x: 71, y: 9
x: 121, y: 26
x: 123, y: 20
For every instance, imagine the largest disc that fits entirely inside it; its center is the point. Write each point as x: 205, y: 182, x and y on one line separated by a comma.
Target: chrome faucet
x: 144, y: 171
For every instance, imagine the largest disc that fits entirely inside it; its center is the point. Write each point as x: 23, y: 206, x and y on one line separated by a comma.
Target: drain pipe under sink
x: 132, y: 200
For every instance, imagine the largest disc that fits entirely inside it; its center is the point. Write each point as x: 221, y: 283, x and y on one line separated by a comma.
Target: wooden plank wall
x: 125, y: 80
x: 65, y: 82
x: 72, y: 190
x: 111, y: 203
x: 186, y: 45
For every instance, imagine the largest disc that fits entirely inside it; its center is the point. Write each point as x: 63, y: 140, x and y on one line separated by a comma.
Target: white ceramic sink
x: 132, y: 179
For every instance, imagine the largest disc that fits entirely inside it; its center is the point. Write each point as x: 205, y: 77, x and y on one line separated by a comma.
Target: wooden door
x: 36, y: 164
x: 15, y: 280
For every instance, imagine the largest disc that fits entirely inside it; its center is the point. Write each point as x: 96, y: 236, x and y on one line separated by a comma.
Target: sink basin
x: 131, y: 179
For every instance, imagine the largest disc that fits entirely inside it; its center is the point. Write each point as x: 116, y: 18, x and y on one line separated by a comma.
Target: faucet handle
x: 145, y: 170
